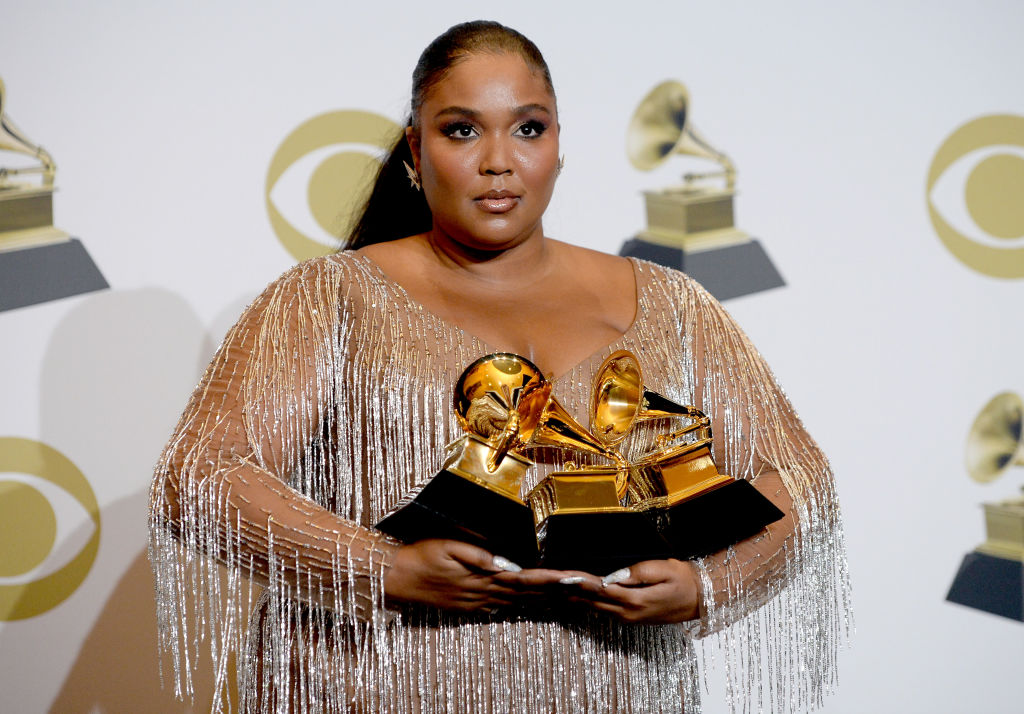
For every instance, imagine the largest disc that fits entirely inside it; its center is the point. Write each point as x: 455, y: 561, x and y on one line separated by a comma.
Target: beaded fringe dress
x: 329, y: 402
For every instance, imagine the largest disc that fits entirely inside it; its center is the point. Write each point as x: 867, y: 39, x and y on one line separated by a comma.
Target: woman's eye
x: 531, y: 129
x: 459, y: 131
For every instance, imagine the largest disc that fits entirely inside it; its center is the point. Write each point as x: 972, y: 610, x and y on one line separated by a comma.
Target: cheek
x: 448, y: 168
x: 539, y: 168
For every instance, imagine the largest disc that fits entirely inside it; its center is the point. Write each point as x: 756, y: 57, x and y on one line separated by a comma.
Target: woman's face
x: 487, y: 151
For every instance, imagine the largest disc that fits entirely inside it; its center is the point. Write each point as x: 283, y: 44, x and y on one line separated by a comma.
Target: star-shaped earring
x: 414, y: 178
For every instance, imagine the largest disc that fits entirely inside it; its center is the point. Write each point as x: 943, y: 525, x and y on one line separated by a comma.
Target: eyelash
x: 450, y: 130
x: 536, y: 128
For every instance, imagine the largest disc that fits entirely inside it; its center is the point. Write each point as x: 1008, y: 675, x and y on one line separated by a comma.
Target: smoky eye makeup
x: 531, y: 129
x: 458, y: 129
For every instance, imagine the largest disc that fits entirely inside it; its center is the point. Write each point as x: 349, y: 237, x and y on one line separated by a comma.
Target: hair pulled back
x: 393, y: 209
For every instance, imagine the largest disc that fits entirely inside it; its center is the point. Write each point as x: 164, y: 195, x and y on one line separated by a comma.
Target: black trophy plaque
x: 715, y: 519
x: 600, y: 542
x: 473, y: 498
x: 450, y: 506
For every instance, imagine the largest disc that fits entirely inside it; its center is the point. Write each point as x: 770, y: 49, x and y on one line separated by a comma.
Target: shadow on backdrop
x: 117, y: 373
x: 117, y: 669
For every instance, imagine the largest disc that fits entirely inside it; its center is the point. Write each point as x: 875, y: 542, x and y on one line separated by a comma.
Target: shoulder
x: 311, y: 269
x: 677, y: 293
x: 674, y: 283
x: 402, y: 260
x: 344, y: 266
x: 331, y: 282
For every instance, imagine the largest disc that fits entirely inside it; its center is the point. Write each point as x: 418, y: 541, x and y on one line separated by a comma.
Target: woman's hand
x: 459, y: 576
x: 651, y: 592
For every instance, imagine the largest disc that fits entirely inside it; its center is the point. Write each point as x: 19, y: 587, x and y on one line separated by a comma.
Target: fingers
x: 476, y: 558
x: 611, y: 594
x: 648, y: 572
x: 621, y: 575
x: 502, y: 563
x: 651, y: 592
x: 460, y: 576
x: 631, y: 587
x: 542, y: 577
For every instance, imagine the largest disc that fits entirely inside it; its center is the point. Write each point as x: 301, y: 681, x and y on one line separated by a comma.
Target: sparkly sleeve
x: 236, y: 485
x: 783, y: 594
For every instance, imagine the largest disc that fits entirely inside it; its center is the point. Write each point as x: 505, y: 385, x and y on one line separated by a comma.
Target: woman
x: 329, y: 402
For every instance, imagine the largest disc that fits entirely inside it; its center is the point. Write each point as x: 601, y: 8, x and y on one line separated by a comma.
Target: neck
x: 518, y: 263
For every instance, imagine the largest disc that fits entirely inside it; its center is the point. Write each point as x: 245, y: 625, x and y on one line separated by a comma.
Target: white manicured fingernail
x: 571, y: 580
x: 617, y: 577
x: 505, y: 564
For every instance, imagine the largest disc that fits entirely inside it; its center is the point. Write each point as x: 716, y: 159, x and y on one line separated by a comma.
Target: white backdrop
x: 163, y: 120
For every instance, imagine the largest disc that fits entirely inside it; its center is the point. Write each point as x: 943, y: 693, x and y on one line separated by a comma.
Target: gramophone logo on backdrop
x: 690, y: 227
x: 991, y: 577
x: 975, y: 194
x: 38, y: 262
x: 41, y: 492
x: 319, y: 176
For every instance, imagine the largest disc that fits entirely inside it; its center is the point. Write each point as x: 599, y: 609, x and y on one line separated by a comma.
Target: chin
x: 492, y: 237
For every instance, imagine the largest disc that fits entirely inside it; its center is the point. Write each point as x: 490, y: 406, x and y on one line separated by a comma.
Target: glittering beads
x: 329, y: 402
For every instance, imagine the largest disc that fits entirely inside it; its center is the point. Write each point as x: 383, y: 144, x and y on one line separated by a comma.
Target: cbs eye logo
x: 40, y: 489
x: 319, y: 177
x: 977, y: 178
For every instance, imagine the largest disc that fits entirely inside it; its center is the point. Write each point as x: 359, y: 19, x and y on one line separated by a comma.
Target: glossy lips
x: 497, y: 201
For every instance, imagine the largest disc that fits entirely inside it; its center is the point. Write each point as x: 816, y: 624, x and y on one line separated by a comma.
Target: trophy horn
x: 501, y: 398
x: 505, y: 399
x: 661, y: 127
x: 620, y: 400
x: 995, y: 441
x: 558, y: 428
x: 12, y: 139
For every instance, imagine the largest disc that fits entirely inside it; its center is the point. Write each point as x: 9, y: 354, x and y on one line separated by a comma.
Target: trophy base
x: 985, y: 582
x: 715, y: 520
x: 600, y: 542
x: 450, y: 506
x: 41, y: 273
x: 726, y: 272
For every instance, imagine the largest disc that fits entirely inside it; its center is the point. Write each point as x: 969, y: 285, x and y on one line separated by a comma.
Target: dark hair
x: 394, y: 209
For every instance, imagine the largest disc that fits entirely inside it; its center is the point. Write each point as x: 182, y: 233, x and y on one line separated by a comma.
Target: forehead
x: 489, y: 81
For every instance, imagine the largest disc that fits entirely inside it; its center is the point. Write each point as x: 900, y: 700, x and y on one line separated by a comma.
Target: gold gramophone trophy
x: 503, y: 403
x: 691, y: 227
x: 675, y: 503
x: 38, y: 262
x: 582, y: 516
x: 990, y: 578
x: 671, y: 502
x: 697, y: 509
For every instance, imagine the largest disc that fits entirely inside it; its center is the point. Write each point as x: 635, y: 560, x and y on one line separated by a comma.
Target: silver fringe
x: 329, y: 402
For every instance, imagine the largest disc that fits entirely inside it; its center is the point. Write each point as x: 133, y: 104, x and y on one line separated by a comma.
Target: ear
x: 414, y: 146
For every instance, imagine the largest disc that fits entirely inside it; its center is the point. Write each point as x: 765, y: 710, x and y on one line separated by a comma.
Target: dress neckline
x: 377, y: 272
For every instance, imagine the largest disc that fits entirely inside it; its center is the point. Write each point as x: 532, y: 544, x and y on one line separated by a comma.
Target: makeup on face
x: 487, y: 150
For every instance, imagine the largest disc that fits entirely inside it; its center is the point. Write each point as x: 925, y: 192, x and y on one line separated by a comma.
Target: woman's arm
x: 760, y: 438
x: 221, y: 488
x: 227, y: 485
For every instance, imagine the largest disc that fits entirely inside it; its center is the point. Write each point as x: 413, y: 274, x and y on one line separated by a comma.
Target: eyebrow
x: 475, y: 115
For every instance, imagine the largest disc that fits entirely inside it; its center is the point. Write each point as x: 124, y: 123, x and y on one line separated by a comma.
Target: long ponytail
x: 394, y: 209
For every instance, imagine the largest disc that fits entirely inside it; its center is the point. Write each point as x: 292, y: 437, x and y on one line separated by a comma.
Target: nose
x: 496, y: 156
